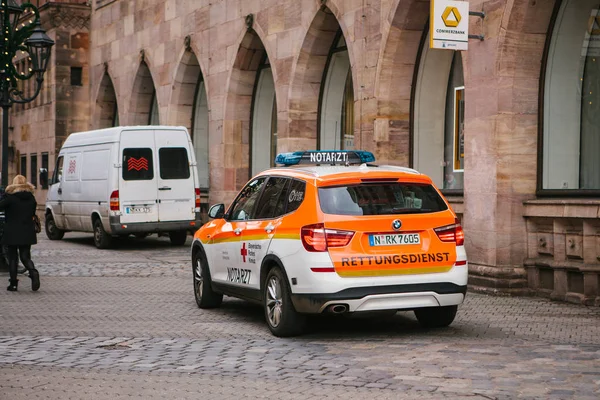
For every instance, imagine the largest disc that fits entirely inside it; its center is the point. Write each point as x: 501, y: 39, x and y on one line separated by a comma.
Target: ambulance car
x: 332, y: 232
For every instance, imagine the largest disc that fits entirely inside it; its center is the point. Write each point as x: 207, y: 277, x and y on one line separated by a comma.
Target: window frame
x: 540, y: 191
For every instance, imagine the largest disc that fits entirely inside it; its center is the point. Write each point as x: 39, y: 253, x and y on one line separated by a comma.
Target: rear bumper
x: 118, y: 228
x: 374, y: 298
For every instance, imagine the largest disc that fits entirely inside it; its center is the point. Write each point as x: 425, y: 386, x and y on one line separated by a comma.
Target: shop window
x: 76, y: 76
x: 34, y: 171
x: 200, y: 133
x: 571, y: 108
x: 44, y: 171
x: 336, y: 106
x: 454, y: 152
x: 23, y: 168
x: 264, y: 120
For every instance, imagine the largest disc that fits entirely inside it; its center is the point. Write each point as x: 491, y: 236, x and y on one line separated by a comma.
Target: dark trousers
x: 16, y: 252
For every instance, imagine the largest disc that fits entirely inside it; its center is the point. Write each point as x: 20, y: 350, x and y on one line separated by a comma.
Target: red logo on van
x: 72, y: 165
x: 137, y: 164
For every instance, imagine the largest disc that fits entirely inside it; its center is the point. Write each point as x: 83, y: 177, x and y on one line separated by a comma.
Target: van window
x: 58, y: 171
x: 137, y: 164
x: 295, y: 195
x: 381, y: 199
x: 174, y: 163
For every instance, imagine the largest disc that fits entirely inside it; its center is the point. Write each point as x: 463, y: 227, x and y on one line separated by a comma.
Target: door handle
x: 59, y: 190
x: 237, y: 231
x: 269, y: 228
x: 164, y: 188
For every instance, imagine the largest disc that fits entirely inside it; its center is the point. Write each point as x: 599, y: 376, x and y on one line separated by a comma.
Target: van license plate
x: 394, y: 239
x: 137, y: 210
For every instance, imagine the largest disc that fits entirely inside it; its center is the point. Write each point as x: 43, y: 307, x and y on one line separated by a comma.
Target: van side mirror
x: 44, y: 178
x: 216, y: 211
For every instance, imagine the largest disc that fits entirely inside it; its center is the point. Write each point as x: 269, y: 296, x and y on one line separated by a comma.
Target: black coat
x: 19, y: 209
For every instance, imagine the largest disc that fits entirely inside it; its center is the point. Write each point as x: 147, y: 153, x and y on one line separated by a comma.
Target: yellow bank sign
x: 449, y: 27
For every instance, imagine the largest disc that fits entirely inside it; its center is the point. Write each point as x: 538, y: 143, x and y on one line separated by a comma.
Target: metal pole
x: 5, y: 144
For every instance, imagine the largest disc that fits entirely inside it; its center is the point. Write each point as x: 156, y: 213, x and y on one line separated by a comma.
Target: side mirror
x: 216, y: 211
x: 44, y: 178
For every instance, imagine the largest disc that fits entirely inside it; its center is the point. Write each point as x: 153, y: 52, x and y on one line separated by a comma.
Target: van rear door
x: 138, y: 177
x: 176, y: 195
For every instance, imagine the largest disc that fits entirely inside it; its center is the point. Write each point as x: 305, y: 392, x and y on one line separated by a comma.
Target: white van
x: 125, y: 180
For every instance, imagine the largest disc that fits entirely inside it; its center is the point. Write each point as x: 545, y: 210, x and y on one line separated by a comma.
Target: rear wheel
x: 282, y: 318
x: 102, y: 240
x: 178, y: 238
x: 436, y: 317
x: 203, y: 292
x: 52, y: 231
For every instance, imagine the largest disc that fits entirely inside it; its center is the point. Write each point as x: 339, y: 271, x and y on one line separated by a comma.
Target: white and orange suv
x: 332, y: 233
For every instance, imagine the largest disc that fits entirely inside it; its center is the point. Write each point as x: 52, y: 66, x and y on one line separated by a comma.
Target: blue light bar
x: 326, y: 157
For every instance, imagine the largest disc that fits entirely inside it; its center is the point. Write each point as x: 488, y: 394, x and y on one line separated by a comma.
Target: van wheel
x: 203, y: 292
x: 178, y: 238
x: 102, y: 240
x: 436, y: 317
x: 52, y: 231
x: 282, y: 318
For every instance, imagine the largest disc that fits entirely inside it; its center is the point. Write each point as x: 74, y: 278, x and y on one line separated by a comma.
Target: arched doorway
x: 571, y: 103
x: 143, y: 108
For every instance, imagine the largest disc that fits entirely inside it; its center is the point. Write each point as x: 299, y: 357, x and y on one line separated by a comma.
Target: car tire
x: 283, y: 320
x: 436, y: 317
x: 205, y: 296
x: 178, y: 238
x: 52, y: 231
x: 102, y: 240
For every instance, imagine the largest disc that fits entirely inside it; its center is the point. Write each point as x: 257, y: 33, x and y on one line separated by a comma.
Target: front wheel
x: 436, y: 317
x: 203, y: 292
x: 102, y: 240
x: 52, y: 231
x: 178, y: 238
x: 282, y: 318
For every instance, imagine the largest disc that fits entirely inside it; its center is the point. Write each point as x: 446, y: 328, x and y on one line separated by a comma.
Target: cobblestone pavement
x: 123, y: 323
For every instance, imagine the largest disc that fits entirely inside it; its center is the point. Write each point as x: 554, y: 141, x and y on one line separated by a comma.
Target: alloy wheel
x: 274, y: 301
x: 198, y: 279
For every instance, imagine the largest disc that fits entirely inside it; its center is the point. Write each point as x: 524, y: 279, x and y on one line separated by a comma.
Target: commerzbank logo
x: 451, y: 17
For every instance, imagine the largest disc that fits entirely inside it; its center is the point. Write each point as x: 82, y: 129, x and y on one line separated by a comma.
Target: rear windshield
x: 381, y: 199
x: 174, y: 163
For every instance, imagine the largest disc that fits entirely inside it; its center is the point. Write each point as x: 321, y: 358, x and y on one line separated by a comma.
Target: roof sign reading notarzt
x: 329, y: 157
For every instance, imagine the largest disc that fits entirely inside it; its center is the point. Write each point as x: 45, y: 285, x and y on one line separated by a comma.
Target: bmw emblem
x: 396, y: 224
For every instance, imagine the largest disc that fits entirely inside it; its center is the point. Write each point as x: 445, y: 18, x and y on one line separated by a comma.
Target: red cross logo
x: 244, y: 252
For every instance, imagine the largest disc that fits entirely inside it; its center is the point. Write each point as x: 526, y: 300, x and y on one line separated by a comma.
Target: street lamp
x: 29, y: 38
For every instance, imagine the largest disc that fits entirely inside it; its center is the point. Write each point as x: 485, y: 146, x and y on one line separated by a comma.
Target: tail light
x: 114, y: 201
x: 317, y: 238
x: 197, y: 193
x: 451, y: 233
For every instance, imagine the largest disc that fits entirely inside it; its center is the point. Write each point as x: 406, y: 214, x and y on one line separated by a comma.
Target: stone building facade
x: 507, y: 128
x: 38, y: 129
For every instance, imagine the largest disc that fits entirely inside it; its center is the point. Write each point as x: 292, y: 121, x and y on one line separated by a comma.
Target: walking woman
x: 19, y: 206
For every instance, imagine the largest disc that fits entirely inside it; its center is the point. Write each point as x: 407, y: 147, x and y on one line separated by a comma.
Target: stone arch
x: 143, y: 93
x: 106, y: 111
x: 308, y: 75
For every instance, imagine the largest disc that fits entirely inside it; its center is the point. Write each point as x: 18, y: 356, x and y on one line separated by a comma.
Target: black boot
x: 35, y: 279
x: 13, y: 283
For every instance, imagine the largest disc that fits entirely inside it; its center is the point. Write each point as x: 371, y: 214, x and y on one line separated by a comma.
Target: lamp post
x: 29, y: 38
